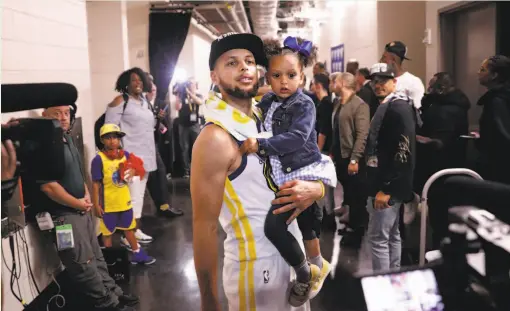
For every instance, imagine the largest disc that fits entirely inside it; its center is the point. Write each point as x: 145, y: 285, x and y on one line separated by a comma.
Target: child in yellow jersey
x: 112, y: 170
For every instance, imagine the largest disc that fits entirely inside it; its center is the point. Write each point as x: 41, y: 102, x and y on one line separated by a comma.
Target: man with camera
x: 68, y: 202
x: 188, y: 103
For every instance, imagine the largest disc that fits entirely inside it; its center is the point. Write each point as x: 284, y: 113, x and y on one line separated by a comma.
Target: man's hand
x: 352, y: 169
x: 8, y: 160
x: 381, y: 200
x: 251, y: 145
x: 298, y: 195
x: 85, y: 205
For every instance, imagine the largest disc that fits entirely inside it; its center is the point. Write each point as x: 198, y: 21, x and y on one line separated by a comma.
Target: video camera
x: 38, y: 141
x: 472, y: 268
x: 472, y: 273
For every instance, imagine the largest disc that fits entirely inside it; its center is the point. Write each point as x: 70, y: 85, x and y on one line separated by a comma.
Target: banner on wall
x: 337, y: 58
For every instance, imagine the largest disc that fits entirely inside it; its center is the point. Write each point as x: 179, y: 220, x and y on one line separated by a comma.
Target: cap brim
x: 245, y: 41
x: 381, y: 75
x: 119, y: 134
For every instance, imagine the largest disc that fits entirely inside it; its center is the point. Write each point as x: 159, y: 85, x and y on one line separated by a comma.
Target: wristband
x: 323, y: 189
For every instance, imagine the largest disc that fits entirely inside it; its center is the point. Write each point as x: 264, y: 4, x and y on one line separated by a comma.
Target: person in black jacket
x: 445, y: 118
x: 324, y: 114
x: 365, y: 90
x: 390, y: 148
x: 494, y: 142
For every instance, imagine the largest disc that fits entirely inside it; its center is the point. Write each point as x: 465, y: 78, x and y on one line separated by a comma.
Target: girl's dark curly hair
x: 274, y: 47
x: 123, y: 81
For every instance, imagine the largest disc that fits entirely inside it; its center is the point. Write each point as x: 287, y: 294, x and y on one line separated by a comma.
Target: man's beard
x: 238, y: 93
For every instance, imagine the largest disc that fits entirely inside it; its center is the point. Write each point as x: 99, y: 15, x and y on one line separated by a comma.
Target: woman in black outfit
x: 494, y: 142
x: 439, y: 146
x: 445, y: 119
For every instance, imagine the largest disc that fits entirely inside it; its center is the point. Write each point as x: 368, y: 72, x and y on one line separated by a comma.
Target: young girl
x: 293, y: 154
x: 112, y: 170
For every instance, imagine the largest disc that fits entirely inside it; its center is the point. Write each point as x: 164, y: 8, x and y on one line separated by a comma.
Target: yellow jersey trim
x: 250, y: 241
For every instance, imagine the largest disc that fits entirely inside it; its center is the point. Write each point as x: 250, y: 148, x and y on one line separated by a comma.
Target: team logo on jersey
x: 116, y: 179
x: 266, y: 276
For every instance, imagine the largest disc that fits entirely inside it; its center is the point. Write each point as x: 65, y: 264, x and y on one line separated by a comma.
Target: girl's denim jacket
x: 294, y: 138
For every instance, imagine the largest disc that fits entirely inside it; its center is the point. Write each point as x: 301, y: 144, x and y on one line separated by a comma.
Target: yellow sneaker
x: 324, y: 272
x: 300, y: 292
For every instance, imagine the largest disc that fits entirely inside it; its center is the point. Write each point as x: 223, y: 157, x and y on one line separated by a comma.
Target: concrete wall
x: 433, y: 51
x: 138, y: 33
x: 44, y: 41
x: 403, y: 21
x: 108, y: 49
x: 364, y: 27
x: 353, y: 23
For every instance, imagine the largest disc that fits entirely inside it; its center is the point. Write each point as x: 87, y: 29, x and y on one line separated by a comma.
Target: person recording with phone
x: 188, y: 103
x: 68, y: 202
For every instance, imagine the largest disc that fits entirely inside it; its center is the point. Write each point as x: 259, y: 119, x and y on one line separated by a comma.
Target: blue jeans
x: 384, y: 236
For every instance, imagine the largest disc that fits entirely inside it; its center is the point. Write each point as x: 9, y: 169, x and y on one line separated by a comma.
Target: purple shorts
x: 118, y: 220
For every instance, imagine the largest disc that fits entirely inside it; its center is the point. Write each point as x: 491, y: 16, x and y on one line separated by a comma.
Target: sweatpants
x: 85, y: 263
x: 275, y: 229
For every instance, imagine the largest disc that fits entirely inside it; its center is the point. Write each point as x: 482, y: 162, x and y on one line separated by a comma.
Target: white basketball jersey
x: 246, y: 202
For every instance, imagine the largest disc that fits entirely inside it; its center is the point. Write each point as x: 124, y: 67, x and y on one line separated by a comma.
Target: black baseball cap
x: 382, y: 70
x: 398, y: 48
x: 232, y: 40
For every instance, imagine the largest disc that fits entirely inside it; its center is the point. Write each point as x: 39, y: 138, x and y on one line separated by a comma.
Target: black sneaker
x: 128, y: 300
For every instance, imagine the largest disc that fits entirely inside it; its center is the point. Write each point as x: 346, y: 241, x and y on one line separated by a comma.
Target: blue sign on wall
x: 337, y: 58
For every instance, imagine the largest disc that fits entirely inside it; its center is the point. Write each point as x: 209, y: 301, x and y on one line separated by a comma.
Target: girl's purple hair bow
x: 304, y: 48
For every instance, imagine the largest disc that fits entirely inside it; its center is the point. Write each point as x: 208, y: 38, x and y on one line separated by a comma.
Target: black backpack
x: 100, y: 121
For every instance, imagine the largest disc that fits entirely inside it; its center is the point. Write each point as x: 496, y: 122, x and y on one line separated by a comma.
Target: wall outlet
x: 427, y: 39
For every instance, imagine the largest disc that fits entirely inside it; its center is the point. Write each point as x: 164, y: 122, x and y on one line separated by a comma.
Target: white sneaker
x: 142, y: 237
x: 125, y: 243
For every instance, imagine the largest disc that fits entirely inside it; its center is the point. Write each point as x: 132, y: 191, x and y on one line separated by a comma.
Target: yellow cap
x: 111, y: 128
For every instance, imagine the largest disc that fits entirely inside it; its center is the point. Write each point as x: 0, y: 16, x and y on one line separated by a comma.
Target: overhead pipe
x: 263, y: 16
x: 233, y: 14
x: 226, y: 21
x: 203, y: 29
x: 244, y: 17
